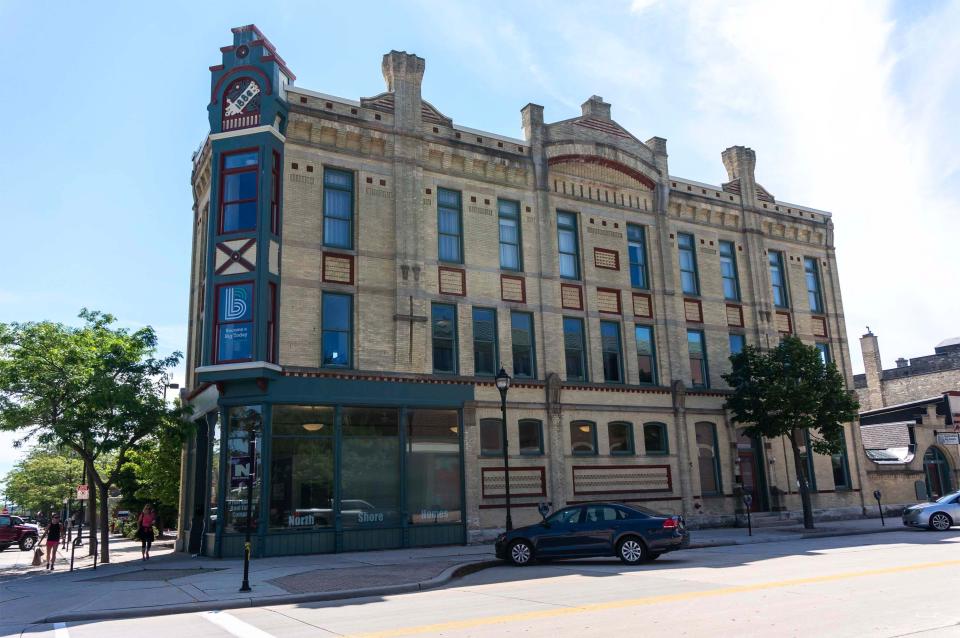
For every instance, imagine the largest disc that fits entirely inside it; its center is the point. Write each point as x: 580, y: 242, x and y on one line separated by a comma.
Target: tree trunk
x: 91, y: 509
x: 803, y: 480
x: 104, y: 522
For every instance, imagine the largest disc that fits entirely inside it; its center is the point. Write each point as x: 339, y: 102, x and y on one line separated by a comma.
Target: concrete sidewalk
x: 175, y: 583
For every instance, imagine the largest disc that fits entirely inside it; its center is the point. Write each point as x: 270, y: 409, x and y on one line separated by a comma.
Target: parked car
x: 17, y: 520
x: 940, y: 515
x: 12, y: 533
x: 631, y: 533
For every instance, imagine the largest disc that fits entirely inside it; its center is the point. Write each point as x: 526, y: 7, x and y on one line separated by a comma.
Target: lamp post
x: 503, y: 384
x: 253, y: 422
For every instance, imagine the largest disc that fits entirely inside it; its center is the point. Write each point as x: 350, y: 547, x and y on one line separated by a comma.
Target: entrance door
x: 750, y: 457
x: 937, y: 472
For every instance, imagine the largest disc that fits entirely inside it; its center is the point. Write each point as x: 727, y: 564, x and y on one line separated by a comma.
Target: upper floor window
x: 484, y: 341
x: 620, y: 435
x: 238, y: 192
x: 234, y: 322
x: 531, y: 437
x: 524, y: 357
x: 698, y: 359
x: 569, y: 245
x: 646, y: 354
x: 612, y: 352
x: 637, y: 249
x: 574, y: 348
x: 511, y: 256
x: 728, y: 271
x: 491, y: 437
x: 583, y: 437
x: 824, y: 349
x: 336, y: 325
x: 275, y: 194
x: 449, y: 226
x: 337, y: 208
x: 737, y: 343
x: 689, y: 280
x: 814, y: 295
x: 655, y: 438
x: 444, y: 321
x: 778, y: 279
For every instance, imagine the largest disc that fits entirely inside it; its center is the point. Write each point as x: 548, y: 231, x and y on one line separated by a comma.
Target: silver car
x: 940, y: 515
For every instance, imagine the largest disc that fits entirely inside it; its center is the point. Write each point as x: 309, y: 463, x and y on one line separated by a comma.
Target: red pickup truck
x: 15, y: 533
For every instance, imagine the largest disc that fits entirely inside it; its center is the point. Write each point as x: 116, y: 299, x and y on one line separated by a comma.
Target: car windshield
x: 944, y: 499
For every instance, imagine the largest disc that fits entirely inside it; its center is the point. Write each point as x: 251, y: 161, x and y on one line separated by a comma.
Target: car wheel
x: 632, y: 551
x: 521, y: 553
x: 27, y: 543
x: 940, y: 522
x: 3, y: 547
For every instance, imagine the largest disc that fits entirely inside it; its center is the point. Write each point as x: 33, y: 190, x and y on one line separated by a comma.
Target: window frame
x: 815, y: 295
x: 825, y: 354
x: 732, y: 259
x: 654, y: 379
x: 642, y: 266
x: 738, y: 335
x: 780, y: 266
x: 717, y: 473
x: 704, y: 367
x: 604, y: 352
x: 533, y: 346
x: 459, y: 235
x: 593, y: 429
x: 488, y: 452
x: 323, y: 297
x: 272, y: 340
x: 275, y: 174
x: 224, y: 173
x: 455, y: 339
x: 495, y: 341
x: 574, y: 229
x: 519, y: 243
x: 844, y: 466
x: 539, y: 425
x: 631, y: 442
x: 692, y: 250
x: 583, y: 349
x: 660, y: 425
x: 353, y: 204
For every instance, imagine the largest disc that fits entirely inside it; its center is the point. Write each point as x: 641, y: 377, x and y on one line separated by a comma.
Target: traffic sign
x: 83, y: 492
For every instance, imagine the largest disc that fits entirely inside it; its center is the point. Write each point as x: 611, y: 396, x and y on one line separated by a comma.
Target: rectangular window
x: 337, y: 326
x: 511, y: 256
x: 238, y: 192
x: 583, y: 437
x: 569, y: 245
x: 841, y: 470
x: 698, y: 359
x: 637, y: 250
x: 728, y: 271
x: 491, y: 437
x: 275, y: 195
x: 434, y: 489
x: 708, y: 457
x: 737, y: 343
x: 449, y: 226
x: 337, y: 208
x: 370, y: 439
x: 272, y: 324
x: 689, y: 280
x: 612, y: 353
x: 620, y: 435
x: 655, y: 438
x: 301, y: 467
x: 484, y: 342
x: 531, y: 437
x: 646, y: 354
x: 444, y: 322
x: 241, y: 421
x: 574, y: 347
x: 812, y: 274
x: 806, y: 456
x: 234, y: 329
x: 778, y: 280
x: 824, y: 349
x: 521, y: 333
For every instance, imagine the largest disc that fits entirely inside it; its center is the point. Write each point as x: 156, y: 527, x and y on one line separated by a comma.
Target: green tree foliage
x: 785, y: 392
x: 41, y: 480
x: 152, y: 475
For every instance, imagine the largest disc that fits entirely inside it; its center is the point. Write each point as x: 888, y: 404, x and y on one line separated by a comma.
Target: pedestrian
x: 53, y: 533
x: 145, y: 530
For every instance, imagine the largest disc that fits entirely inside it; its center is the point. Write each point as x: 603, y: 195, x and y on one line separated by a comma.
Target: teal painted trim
x: 235, y: 375
x: 404, y: 506
x: 463, y: 480
x: 337, y: 475
x: 266, y: 452
x: 221, y: 486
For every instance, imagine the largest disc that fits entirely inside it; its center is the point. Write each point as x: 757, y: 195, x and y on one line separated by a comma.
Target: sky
x: 850, y: 106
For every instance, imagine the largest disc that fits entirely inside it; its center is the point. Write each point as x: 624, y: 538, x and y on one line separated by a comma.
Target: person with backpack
x: 145, y: 530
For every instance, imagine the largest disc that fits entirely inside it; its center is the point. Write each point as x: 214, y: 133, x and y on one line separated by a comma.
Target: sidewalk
x: 176, y: 583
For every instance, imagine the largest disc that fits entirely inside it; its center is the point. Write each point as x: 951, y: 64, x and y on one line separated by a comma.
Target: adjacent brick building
x: 362, y: 269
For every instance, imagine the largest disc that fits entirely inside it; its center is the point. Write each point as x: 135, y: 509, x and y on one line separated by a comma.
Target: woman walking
x: 145, y: 531
x: 53, y: 533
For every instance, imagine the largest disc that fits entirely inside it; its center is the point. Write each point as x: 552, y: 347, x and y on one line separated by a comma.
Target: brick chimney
x: 596, y: 107
x: 740, y: 163
x: 873, y: 368
x: 403, y: 73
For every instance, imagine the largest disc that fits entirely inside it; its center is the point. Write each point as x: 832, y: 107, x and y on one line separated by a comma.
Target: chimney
x: 403, y: 73
x: 873, y: 368
x: 531, y: 118
x: 740, y: 163
x: 903, y: 363
x: 596, y: 107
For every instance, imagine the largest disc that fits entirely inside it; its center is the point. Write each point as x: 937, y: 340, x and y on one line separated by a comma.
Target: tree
x: 41, y: 480
x: 95, y: 389
x: 789, y: 391
x: 152, y: 475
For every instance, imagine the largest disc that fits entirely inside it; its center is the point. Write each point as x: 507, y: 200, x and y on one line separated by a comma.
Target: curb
x: 794, y: 537
x: 444, y: 577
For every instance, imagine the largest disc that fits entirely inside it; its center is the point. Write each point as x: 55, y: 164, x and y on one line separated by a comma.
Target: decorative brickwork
x: 734, y: 315
x: 642, y: 305
x: 513, y: 288
x: 338, y: 269
x: 452, y: 281
x: 693, y: 310
x: 571, y: 296
x: 784, y: 323
x: 608, y: 259
x: 524, y: 481
x: 819, y: 325
x: 620, y: 479
x: 608, y: 300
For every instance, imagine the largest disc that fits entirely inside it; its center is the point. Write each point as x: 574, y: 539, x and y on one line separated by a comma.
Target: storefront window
x: 433, y: 467
x: 214, y: 474
x: 370, y: 468
x: 301, y: 467
x: 241, y: 421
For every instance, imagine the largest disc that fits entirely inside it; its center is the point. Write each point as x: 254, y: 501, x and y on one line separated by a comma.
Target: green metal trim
x: 519, y: 243
x: 666, y: 439
x: 633, y: 446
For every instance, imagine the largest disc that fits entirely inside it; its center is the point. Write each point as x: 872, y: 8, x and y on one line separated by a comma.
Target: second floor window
x: 737, y: 343
x: 583, y: 437
x: 444, y: 321
x: 336, y: 325
x: 612, y: 353
x: 510, y: 254
x: 449, y: 226
x: 484, y: 341
x: 637, y: 249
x: 530, y: 432
x: 491, y: 437
x: 646, y: 354
x: 824, y: 349
x: 728, y: 271
x: 337, y: 208
x: 698, y: 359
x: 574, y: 348
x: 521, y: 333
x: 814, y: 294
x: 655, y: 438
x: 778, y: 280
x: 620, y: 435
x: 689, y: 280
x: 238, y: 192
x: 569, y: 245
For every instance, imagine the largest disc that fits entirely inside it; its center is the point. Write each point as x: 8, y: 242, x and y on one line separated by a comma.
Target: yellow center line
x: 648, y: 600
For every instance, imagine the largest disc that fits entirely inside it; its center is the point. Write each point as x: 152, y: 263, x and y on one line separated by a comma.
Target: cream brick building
x: 363, y: 267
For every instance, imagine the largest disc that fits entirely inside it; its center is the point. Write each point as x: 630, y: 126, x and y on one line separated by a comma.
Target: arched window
x: 491, y: 437
x: 620, y: 435
x: 583, y: 437
x: 655, y: 438
x: 937, y: 471
x: 708, y: 457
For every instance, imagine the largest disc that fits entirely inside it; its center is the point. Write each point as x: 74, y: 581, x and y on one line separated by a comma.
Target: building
x: 362, y: 269
x: 911, y: 380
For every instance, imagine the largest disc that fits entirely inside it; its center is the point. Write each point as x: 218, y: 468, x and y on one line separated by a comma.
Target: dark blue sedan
x: 634, y: 534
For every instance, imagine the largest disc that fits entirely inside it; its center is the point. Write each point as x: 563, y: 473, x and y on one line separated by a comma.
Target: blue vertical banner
x: 235, y: 323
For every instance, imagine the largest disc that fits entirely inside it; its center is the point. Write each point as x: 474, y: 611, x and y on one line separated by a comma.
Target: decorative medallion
x: 241, y: 104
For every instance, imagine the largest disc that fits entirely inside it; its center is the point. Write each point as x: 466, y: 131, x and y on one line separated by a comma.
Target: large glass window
x: 337, y: 208
x: 698, y: 359
x: 524, y: 357
x: 574, y: 348
x: 824, y: 349
x: 637, y: 249
x: 728, y: 271
x: 511, y: 255
x: 620, y: 435
x: 444, y: 322
x: 214, y: 474
x: 531, y: 437
x: 689, y: 280
x: 646, y: 354
x: 301, y: 467
x: 583, y: 437
x: 238, y: 192
x: 708, y: 456
x: 433, y: 467
x: 241, y: 422
x: 491, y: 437
x: 737, y: 343
x: 841, y: 470
x: 612, y: 352
x: 337, y: 327
x: 449, y: 226
x: 806, y: 457
x: 778, y: 280
x: 485, y: 341
x: 275, y: 194
x: 812, y: 273
x: 234, y: 330
x: 655, y: 438
x: 370, y: 468
x: 569, y: 245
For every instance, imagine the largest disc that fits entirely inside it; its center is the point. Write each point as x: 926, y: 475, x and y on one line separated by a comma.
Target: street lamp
x: 253, y: 421
x: 503, y: 384
x: 172, y: 386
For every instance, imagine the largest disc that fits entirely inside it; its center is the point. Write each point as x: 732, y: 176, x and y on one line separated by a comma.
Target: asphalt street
x: 894, y: 584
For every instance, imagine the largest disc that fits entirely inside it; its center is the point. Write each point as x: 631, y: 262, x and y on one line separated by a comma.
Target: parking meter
x: 877, y: 495
x: 747, y: 502
x: 544, y: 509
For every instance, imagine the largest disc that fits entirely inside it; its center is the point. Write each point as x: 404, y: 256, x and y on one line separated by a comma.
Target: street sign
x: 83, y: 492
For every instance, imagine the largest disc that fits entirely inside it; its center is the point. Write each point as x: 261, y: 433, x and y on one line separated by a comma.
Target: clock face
x: 242, y: 97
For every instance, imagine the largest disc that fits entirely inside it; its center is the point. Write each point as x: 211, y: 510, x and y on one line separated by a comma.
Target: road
x: 894, y: 584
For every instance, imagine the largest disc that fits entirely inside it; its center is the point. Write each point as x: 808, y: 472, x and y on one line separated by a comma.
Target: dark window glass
x: 491, y: 437
x: 689, y: 280
x: 841, y: 470
x: 583, y: 437
x: 444, y: 338
x: 239, y: 192
x: 812, y: 274
x: 275, y: 194
x: 241, y: 421
x: 574, y: 348
x: 806, y: 456
x: 531, y: 437
x: 646, y: 354
x: 337, y: 208
x: 708, y: 457
x: 240, y: 160
x: 337, y: 330
x: 449, y: 226
x: 301, y: 480
x: 272, y: 323
x: 510, y: 251
x: 778, y: 280
x: 214, y: 456
x: 521, y: 332
x: 698, y: 359
x: 620, y: 435
x: 612, y: 353
x: 824, y: 349
x: 737, y: 343
x: 433, y: 467
x: 655, y: 438
x: 569, y: 245
x: 370, y: 468
x: 484, y: 341
x: 637, y: 249
x: 601, y: 514
x: 728, y: 271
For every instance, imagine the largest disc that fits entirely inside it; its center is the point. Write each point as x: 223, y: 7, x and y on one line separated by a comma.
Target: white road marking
x: 60, y: 630
x: 231, y: 624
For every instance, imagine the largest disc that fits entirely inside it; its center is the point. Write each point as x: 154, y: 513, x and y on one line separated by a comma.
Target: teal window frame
x: 330, y: 185
x: 637, y: 253
x: 567, y: 224
x: 575, y: 426
x: 778, y: 279
x: 814, y: 288
x: 510, y: 210
x: 701, y: 362
x: 844, y: 467
x: 568, y: 337
x: 654, y: 380
x: 530, y: 423
x: 514, y: 314
x: 824, y: 349
x: 449, y: 208
x: 735, y: 338
x: 494, y: 342
x: 687, y: 247
x: 659, y: 425
x: 324, y: 329
x: 605, y: 350
x: 728, y: 271
x: 433, y: 336
x: 631, y: 444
